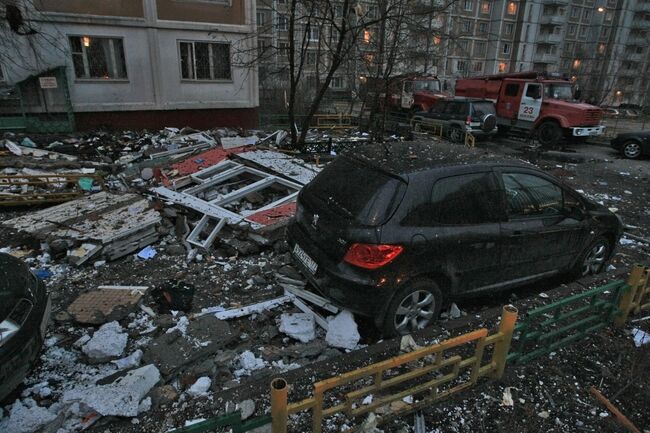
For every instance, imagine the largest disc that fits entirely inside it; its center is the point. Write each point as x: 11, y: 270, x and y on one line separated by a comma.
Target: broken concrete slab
x: 109, y: 341
x: 203, y: 337
x: 120, y: 398
x: 200, y: 387
x: 299, y: 326
x: 26, y: 417
x: 105, y: 304
x: 342, y: 331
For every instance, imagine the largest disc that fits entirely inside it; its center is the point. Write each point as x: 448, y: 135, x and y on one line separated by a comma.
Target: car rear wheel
x: 631, y: 150
x: 413, y: 307
x: 593, y: 259
x: 549, y: 133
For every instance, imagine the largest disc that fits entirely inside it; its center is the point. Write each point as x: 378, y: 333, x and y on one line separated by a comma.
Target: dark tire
x: 414, y: 306
x: 488, y: 122
x: 549, y: 133
x: 631, y: 149
x: 455, y: 134
x: 594, y: 258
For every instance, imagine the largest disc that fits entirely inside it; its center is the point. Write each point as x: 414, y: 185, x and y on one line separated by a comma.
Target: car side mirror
x: 574, y: 211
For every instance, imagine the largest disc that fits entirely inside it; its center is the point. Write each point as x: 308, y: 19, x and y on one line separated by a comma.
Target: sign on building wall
x: 48, y: 82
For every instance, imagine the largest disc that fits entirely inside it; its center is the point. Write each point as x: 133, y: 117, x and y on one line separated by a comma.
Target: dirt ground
x: 550, y: 394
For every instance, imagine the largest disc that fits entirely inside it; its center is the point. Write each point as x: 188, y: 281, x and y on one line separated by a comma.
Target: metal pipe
x: 279, y: 406
x: 501, y: 348
x: 626, y: 303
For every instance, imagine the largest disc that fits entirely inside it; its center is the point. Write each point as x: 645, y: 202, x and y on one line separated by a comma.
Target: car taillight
x: 372, y: 256
x: 468, y: 120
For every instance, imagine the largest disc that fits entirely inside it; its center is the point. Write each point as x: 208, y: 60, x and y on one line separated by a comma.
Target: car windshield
x: 357, y: 192
x: 558, y: 91
x: 428, y: 85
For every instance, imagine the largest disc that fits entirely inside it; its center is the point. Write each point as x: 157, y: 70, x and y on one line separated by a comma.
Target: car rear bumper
x: 587, y: 131
x: 346, y: 287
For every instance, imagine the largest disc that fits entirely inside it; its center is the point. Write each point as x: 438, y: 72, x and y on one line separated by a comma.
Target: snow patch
x: 342, y: 331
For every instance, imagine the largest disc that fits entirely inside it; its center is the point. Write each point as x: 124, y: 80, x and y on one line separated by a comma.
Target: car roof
x: 402, y: 158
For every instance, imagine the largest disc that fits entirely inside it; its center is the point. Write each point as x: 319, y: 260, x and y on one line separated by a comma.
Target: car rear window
x: 356, y: 191
x: 482, y: 108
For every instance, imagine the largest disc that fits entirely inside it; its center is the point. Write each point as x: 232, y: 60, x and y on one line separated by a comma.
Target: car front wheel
x: 631, y: 150
x: 413, y: 307
x: 594, y: 258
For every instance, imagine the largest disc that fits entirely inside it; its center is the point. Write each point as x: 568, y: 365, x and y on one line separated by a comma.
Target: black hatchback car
x: 394, y: 240
x: 458, y: 116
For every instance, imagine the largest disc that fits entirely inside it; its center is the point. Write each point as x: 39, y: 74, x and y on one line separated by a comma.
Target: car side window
x: 458, y: 200
x: 512, y: 89
x: 529, y: 195
x: 534, y: 91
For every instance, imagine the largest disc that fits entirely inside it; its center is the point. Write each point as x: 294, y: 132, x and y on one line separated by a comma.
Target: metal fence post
x: 279, y: 406
x: 502, y: 347
x: 625, y: 304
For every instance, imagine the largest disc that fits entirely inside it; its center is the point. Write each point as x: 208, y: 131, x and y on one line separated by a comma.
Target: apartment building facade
x: 144, y: 63
x: 601, y: 44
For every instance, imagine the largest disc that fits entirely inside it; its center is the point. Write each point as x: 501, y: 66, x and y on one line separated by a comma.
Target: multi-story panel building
x: 144, y: 63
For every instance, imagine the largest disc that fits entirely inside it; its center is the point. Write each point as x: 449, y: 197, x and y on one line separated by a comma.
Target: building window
x: 205, y: 61
x: 575, y: 12
x: 506, y: 48
x: 314, y: 33
x: 477, y: 67
x: 586, y: 14
x: 283, y: 22
x: 512, y: 8
x: 463, y: 48
x: 508, y: 28
x: 338, y: 11
x: 283, y: 49
x: 468, y: 5
x: 601, y: 48
x: 479, y: 48
x: 337, y: 83
x: 98, y: 57
x: 261, y: 18
x: 605, y: 32
x: 583, y: 31
x: 310, y: 58
x: 466, y: 26
x: 572, y: 29
x: 482, y: 27
x: 608, y: 17
x: 485, y: 7
x: 263, y: 46
x: 503, y: 66
x: 461, y: 66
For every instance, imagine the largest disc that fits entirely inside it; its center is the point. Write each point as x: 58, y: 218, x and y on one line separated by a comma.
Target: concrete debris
x: 408, y: 344
x: 506, y: 399
x: 105, y: 304
x: 26, y: 417
x: 249, y: 363
x: 454, y: 311
x: 120, y: 398
x: 342, y: 332
x: 109, y: 341
x: 247, y: 409
x: 131, y: 361
x: 200, y: 387
x: 299, y: 326
x: 640, y: 337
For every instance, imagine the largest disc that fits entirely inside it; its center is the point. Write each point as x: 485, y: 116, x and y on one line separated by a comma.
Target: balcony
x: 552, y: 20
x: 643, y: 7
x: 638, y: 40
x: 555, y: 2
x: 640, y: 24
x: 545, y: 58
x: 633, y: 57
x: 549, y: 38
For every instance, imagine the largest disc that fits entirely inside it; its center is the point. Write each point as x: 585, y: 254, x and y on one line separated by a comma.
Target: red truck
x: 531, y: 102
x: 409, y: 92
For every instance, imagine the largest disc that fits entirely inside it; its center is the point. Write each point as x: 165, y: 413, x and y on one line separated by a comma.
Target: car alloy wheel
x: 632, y: 150
x: 595, y: 259
x: 414, y: 312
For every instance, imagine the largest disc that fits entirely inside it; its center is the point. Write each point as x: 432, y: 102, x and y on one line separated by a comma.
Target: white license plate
x: 46, y: 316
x: 304, y: 258
x: 593, y: 133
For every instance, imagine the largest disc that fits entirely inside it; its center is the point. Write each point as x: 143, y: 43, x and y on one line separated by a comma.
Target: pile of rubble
x: 201, y: 215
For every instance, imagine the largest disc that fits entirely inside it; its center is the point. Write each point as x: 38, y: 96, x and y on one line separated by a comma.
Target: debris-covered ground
x: 150, y: 331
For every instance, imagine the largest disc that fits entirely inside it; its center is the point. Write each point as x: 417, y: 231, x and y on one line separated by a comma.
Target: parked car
x: 395, y: 240
x: 458, y: 116
x: 24, y: 314
x: 632, y: 144
x: 610, y: 112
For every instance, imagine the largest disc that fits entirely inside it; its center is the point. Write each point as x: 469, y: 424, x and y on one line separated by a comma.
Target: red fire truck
x: 409, y: 92
x: 531, y: 102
